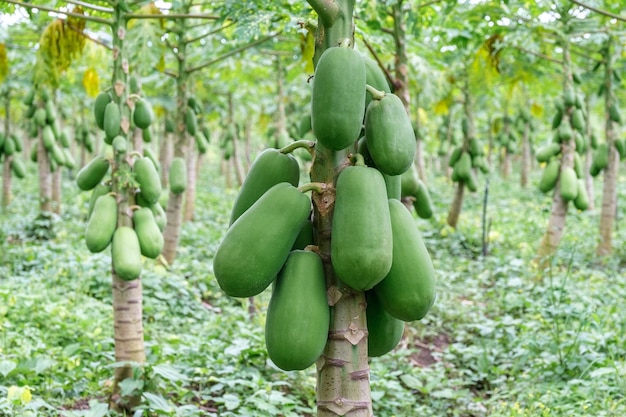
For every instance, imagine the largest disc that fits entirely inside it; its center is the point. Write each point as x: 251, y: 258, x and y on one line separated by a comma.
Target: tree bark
x: 6, y: 171
x: 526, y: 157
x: 457, y: 203
x: 166, y: 152
x: 190, y: 192
x: 45, y: 179
x: 589, y: 158
x: 56, y: 189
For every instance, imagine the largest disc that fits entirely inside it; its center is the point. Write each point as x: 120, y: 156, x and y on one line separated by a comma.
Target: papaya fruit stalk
x: 342, y: 370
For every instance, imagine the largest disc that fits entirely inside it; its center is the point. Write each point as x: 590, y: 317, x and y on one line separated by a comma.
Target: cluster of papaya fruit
x: 375, y: 245
x: 44, y: 118
x: 464, y: 158
x: 9, y: 147
x: 198, y: 130
x: 570, y: 129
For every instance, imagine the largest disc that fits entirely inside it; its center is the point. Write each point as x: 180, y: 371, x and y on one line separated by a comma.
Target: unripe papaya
x: 98, y: 191
x: 423, y: 204
x: 601, y: 156
x: 569, y: 97
x: 178, y: 175
x: 547, y: 151
x: 9, y: 147
x: 99, y: 107
x: 269, y: 168
x: 338, y: 97
x: 133, y: 85
x: 112, y: 121
x: 191, y: 124
x: 454, y: 156
x: 142, y: 114
x: 565, y: 132
x: 557, y: 118
x: 148, y: 233
x: 64, y: 139
x: 569, y: 184
x: 47, y: 136
x: 148, y: 178
x: 305, y: 125
x: 409, y: 182
x: 383, y: 330
x: 126, y: 253
x: 91, y: 174
x: 298, y: 316
x: 361, y: 247
x: 474, y: 147
x: 578, y: 165
x: 408, y: 290
x: 101, y: 224
x: 243, y: 265
x: 202, y: 142
x: 120, y: 145
x: 471, y: 183
x: 620, y: 145
x: 18, y: 168
x: 614, y: 113
x: 549, y: 176
x: 581, y: 202
x: 40, y: 117
x: 159, y: 215
x: 305, y: 236
x: 365, y: 153
x: 463, y: 167
x: 578, y: 120
x: 57, y: 154
x: 390, y: 136
x: 146, y: 135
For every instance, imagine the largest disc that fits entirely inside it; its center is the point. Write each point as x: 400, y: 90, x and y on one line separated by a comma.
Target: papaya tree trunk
x: 127, y: 295
x: 166, y: 151
x: 457, y: 203
x: 45, y: 179
x: 609, y: 192
x: 56, y: 189
x: 190, y: 192
x: 6, y: 171
x: 526, y: 157
x: 589, y: 157
x: 342, y: 371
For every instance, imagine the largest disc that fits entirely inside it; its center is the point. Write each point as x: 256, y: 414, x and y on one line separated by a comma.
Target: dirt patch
x: 428, y: 350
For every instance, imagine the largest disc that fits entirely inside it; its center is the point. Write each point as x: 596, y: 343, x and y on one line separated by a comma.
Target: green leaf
x: 129, y: 386
x: 231, y: 401
x: 6, y: 367
x: 169, y: 373
x: 157, y: 403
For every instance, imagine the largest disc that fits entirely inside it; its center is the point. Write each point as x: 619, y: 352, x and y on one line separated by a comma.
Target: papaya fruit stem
x: 317, y: 187
x: 357, y: 160
x: 376, y: 94
x: 308, y: 144
x: 345, y: 43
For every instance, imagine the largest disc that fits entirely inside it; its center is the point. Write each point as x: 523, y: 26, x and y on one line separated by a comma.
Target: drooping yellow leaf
x: 4, y: 62
x: 91, y: 82
x: 536, y: 110
x: 441, y: 107
x: 160, y: 66
x: 307, y: 46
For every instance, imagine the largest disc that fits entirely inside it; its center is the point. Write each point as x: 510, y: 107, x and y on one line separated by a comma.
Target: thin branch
x: 538, y: 54
x: 212, y: 32
x: 387, y: 31
x: 94, y: 40
x: 325, y: 9
x: 388, y: 75
x: 90, y: 6
x: 50, y: 9
x: 170, y: 74
x: 600, y: 11
x: 429, y: 3
x: 233, y: 52
x: 172, y: 16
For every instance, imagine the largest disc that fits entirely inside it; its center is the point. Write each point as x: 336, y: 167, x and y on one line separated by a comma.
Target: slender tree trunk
x: 165, y: 157
x: 190, y: 193
x: 609, y: 192
x: 137, y: 140
x: 526, y: 157
x: 6, y: 172
x: 342, y: 370
x: 589, y: 158
x: 457, y: 204
x: 45, y: 179
x: 56, y: 189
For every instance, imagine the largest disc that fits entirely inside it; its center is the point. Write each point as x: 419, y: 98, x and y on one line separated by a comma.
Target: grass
x: 502, y: 340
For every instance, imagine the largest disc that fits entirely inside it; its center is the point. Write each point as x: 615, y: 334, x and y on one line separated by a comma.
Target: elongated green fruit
x: 101, y: 224
x: 569, y: 184
x: 126, y: 253
x: 550, y: 176
x: 91, y: 174
x: 390, y: 136
x: 178, y: 175
x: 383, y: 330
x: 298, y: 316
x: 99, y: 190
x: 601, y: 156
x: 269, y: 168
x: 142, y: 114
x: 18, y: 168
x: 581, y: 202
x: 362, y: 243
x: 409, y: 182
x: 408, y: 291
x: 112, y: 121
x: 99, y: 107
x: 338, y: 97
x: 423, y: 204
x: 148, y: 233
x: 547, y: 151
x: 148, y: 178
x: 257, y: 244
x: 454, y: 156
x: 463, y: 167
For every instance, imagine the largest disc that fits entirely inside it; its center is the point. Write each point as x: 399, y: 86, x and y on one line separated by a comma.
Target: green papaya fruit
x: 269, y: 168
x: 64, y: 139
x: 33, y: 152
x: 581, y: 202
x: 119, y: 144
x: 159, y: 215
x: 614, y: 113
x: 393, y: 184
x: 47, y: 136
x: 51, y: 113
x: 390, y: 136
x: 201, y: 142
x: 133, y: 85
x: 471, y: 183
x: 57, y: 154
x: 409, y: 182
x: 100, y: 104
x: 195, y: 104
x: 148, y: 233
x: 454, y: 156
x: 375, y: 77
x: 143, y: 114
x: 365, y: 153
x: 305, y: 125
x: 148, y: 153
x: 148, y: 178
x: 29, y: 97
x: 102, y: 223
x: 547, y: 151
x: 9, y: 147
x: 565, y: 132
x: 557, y: 118
x: 18, y: 168
x: 569, y: 184
x: 298, y: 316
x: 578, y: 120
x: 578, y: 165
x: 474, y: 147
x: 40, y: 117
x: 178, y: 175
x: 98, y: 191
x: 463, y: 167
x: 338, y: 100
x: 620, y: 145
x: 191, y: 123
x: 126, y: 253
x: 243, y: 265
x: 112, y: 122
x: 361, y: 247
x: 423, y: 203
x: 408, y: 291
x: 91, y: 174
x: 601, y: 156
x: 305, y: 236
x: 549, y: 176
x: 383, y: 330
x: 569, y: 97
